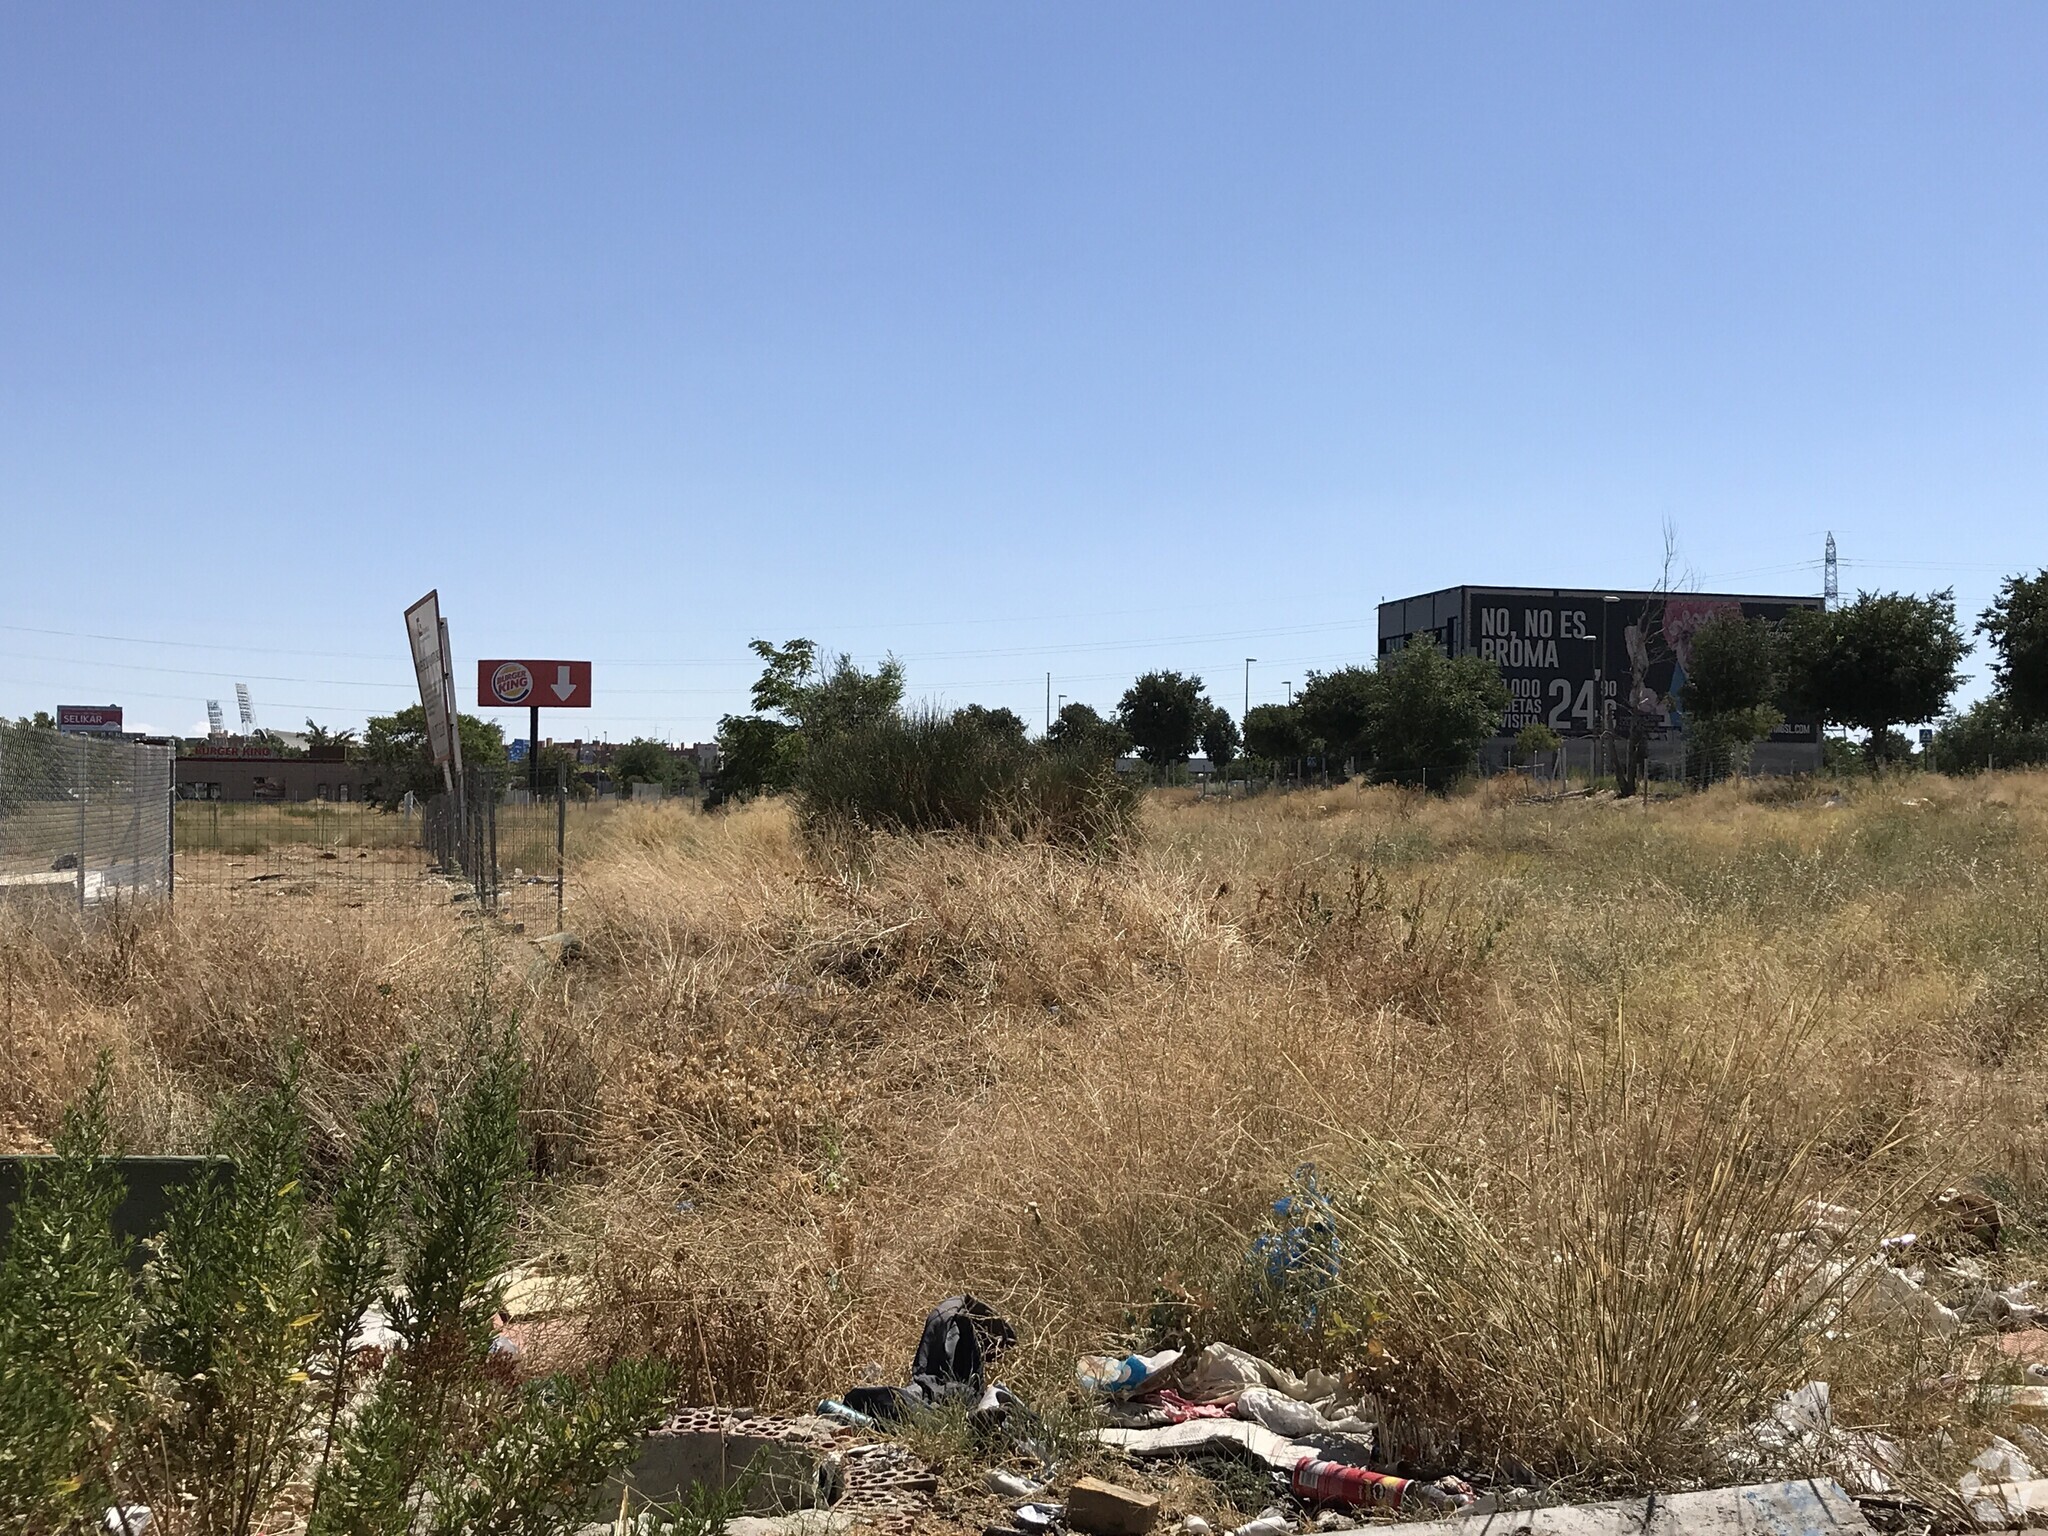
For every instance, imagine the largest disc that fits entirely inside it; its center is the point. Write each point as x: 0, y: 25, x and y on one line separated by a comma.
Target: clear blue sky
x: 1015, y: 338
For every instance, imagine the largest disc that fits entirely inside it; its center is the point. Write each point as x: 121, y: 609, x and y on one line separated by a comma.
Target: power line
x: 191, y: 645
x: 213, y: 672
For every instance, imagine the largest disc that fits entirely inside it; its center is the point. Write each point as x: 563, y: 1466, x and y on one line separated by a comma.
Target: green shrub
x: 224, y: 1375
x: 929, y: 770
x: 1535, y: 740
x: 1987, y: 735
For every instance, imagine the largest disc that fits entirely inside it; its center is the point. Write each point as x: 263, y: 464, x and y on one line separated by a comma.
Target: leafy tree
x: 821, y: 699
x: 1272, y: 733
x: 558, y: 765
x: 1732, y: 685
x: 644, y: 760
x: 1432, y: 713
x: 755, y: 757
x: 1535, y: 740
x: 799, y: 702
x: 1219, y: 738
x: 1080, y: 731
x: 1335, y: 711
x: 1163, y: 713
x: 1884, y: 660
x: 1002, y: 724
x: 2017, y: 626
x: 32, y: 759
x: 318, y: 736
x: 1987, y: 735
x: 396, y: 748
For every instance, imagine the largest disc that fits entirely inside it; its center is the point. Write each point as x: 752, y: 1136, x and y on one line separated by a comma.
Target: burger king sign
x: 503, y: 684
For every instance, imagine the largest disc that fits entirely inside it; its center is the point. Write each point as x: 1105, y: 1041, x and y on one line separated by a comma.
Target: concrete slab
x: 1811, y: 1508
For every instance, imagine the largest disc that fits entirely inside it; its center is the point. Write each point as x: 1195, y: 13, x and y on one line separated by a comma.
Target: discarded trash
x: 1011, y: 1485
x: 1836, y: 1221
x: 2007, y: 1505
x: 1966, y: 1218
x: 962, y: 1337
x: 1220, y: 1373
x: 1109, y: 1509
x: 1335, y: 1520
x: 2013, y: 1307
x: 1897, y: 1292
x: 832, y: 1408
x: 1307, y: 1249
x: 1801, y: 1431
x: 1288, y: 1416
x: 1271, y: 1523
x: 528, y: 1290
x: 1195, y: 1525
x: 1199, y: 1436
x: 1330, y: 1483
x: 375, y: 1332
x: 2027, y: 1404
x: 1162, y: 1407
x: 1106, y: 1373
x: 128, y: 1519
x: 1999, y: 1466
x: 1036, y: 1517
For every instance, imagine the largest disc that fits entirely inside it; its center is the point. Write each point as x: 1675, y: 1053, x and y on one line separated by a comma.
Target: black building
x: 1572, y: 657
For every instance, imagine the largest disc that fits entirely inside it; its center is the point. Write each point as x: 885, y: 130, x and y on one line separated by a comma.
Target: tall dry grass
x: 1578, y: 1066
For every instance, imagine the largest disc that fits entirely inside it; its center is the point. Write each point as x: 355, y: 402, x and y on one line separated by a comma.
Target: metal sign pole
x: 533, y: 752
x: 561, y: 838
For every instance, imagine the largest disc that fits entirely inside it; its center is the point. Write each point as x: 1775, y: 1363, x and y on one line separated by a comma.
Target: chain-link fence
x: 83, y: 819
x: 505, y: 841
x: 350, y: 852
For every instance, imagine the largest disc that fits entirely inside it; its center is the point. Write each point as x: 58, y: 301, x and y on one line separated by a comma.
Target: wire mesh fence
x: 493, y: 847
x: 352, y: 852
x: 507, y: 843
x: 83, y: 819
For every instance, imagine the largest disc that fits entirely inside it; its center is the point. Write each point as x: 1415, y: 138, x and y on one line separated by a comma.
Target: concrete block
x: 1104, y: 1509
x: 777, y: 1476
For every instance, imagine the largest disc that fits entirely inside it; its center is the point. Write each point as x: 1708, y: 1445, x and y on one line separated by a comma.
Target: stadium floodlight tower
x: 247, y: 707
x: 216, y: 722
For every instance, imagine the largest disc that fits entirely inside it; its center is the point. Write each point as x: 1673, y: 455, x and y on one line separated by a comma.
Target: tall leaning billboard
x: 1562, y: 652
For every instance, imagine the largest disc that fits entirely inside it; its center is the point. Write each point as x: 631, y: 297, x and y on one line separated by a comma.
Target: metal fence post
x: 491, y: 867
x: 561, y: 837
x: 79, y: 752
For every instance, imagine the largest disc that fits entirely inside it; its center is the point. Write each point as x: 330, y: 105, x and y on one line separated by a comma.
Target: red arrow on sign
x: 509, y: 684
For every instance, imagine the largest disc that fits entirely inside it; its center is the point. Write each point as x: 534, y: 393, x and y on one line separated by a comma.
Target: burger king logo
x: 511, y: 683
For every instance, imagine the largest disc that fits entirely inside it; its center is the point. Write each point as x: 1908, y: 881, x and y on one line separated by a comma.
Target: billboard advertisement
x: 532, y: 684
x: 1568, y: 656
x: 89, y: 719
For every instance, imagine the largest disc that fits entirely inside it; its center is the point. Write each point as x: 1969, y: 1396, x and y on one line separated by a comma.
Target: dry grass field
x: 1577, y: 1071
